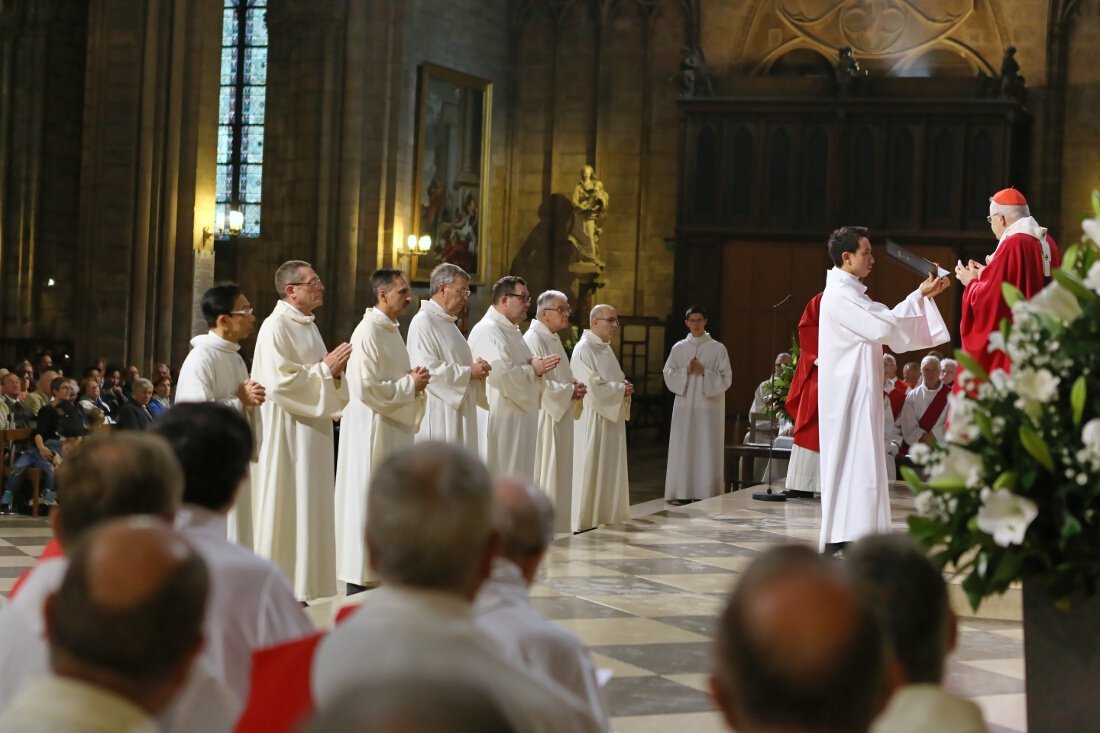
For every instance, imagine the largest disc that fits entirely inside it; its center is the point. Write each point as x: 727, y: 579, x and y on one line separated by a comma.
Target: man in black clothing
x: 134, y: 414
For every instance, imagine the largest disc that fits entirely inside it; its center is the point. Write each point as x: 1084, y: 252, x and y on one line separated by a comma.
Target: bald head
x: 604, y: 321
x: 129, y: 612
x: 777, y: 667
x: 524, y: 519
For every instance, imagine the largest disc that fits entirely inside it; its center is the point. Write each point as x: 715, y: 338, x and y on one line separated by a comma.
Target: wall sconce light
x: 408, y: 255
x: 236, y: 224
x: 50, y: 282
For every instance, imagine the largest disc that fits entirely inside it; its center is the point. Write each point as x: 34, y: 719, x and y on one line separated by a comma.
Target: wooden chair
x: 8, y: 440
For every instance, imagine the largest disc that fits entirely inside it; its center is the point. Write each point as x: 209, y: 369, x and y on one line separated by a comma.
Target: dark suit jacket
x: 132, y: 416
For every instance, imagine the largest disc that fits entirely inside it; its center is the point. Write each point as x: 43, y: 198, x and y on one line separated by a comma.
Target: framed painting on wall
x: 451, y: 171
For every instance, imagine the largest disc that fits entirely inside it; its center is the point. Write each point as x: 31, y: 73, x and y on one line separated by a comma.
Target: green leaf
x: 912, y: 478
x: 985, y: 425
x: 1006, y: 480
x: 1069, y: 257
x: 975, y: 589
x: 924, y: 530
x: 1011, y: 294
x: 1008, y: 570
x: 1036, y: 447
x: 1072, y: 283
x: 970, y: 365
x: 1077, y: 397
x: 949, y: 484
x: 1070, y: 526
x: 1096, y: 202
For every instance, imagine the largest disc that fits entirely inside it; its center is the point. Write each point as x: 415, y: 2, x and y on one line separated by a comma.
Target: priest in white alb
x: 601, y: 489
x: 385, y: 407
x: 854, y: 492
x: 215, y: 372
x: 513, y: 385
x: 924, y: 414
x: 457, y: 383
x: 560, y: 406
x: 698, y: 373
x: 295, y: 508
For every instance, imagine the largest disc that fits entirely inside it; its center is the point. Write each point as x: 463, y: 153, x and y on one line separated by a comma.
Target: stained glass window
x: 241, y: 111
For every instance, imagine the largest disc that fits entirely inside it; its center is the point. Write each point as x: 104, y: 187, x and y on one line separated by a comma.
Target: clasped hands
x: 968, y: 272
x: 696, y: 367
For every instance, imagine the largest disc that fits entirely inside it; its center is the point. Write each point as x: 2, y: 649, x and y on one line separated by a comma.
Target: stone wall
x: 1081, y: 152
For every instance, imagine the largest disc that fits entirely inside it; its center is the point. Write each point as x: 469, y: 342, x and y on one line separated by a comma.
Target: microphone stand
x: 770, y: 495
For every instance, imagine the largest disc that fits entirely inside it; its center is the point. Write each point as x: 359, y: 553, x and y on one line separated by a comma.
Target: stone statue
x: 693, y: 79
x: 847, y: 70
x: 1012, y: 83
x: 589, y: 209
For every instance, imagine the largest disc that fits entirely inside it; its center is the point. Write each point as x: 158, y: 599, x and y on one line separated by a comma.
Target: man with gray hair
x: 559, y: 406
x: 124, y: 628
x: 457, y: 379
x: 924, y: 415
x: 524, y: 520
x: 430, y: 539
x: 948, y: 368
x: 295, y: 514
x: 601, y: 488
x: 1024, y: 258
x: 134, y: 413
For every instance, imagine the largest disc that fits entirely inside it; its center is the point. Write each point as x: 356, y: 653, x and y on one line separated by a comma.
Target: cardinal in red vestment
x: 803, y: 471
x: 1024, y: 257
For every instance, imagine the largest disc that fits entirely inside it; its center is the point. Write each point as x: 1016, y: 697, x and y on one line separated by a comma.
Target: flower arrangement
x: 775, y: 393
x: 1014, y: 491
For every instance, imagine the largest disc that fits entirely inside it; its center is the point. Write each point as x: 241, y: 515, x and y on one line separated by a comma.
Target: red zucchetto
x: 1009, y: 197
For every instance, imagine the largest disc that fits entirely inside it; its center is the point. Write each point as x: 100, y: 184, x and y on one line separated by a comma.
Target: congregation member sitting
x: 124, y: 628
x: 91, y: 399
x: 524, y: 520
x: 910, y: 374
x: 396, y: 705
x: 430, y: 539
x: 162, y: 396
x: 112, y: 390
x: 948, y: 368
x: 134, y: 413
x: 41, y: 396
x: 59, y: 421
x: 13, y: 413
x: 109, y: 476
x: 130, y: 375
x: 909, y: 595
x: 251, y: 603
x: 781, y: 670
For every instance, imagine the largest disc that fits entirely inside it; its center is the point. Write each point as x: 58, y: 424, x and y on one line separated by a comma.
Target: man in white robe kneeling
x: 295, y: 514
x: 513, y: 385
x: 524, y: 521
x: 384, y: 411
x: 601, y: 488
x: 855, y: 499
x: 215, y: 372
x: 457, y: 384
x: 560, y: 406
x: 698, y: 373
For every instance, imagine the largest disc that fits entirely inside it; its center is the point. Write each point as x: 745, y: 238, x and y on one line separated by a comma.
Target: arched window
x: 241, y: 112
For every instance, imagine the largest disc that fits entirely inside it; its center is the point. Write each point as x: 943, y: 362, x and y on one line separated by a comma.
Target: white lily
x: 960, y: 463
x: 1090, y: 437
x: 1093, y: 278
x: 1054, y: 300
x: 1006, y: 516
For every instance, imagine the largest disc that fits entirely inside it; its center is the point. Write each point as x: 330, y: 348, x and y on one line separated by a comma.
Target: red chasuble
x: 1018, y: 260
x: 802, y: 396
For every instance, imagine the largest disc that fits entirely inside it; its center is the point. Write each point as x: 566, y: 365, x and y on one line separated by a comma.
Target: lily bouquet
x: 777, y: 389
x: 1014, y: 491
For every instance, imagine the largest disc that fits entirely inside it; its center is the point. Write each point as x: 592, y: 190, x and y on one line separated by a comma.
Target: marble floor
x: 644, y: 595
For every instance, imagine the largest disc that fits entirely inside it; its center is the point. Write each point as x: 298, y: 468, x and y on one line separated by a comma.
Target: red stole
x: 897, y: 398
x: 935, y: 408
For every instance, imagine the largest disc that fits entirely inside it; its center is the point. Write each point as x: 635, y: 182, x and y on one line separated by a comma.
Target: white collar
x: 286, y: 309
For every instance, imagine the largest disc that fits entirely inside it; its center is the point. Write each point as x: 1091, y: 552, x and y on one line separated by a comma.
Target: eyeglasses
x: 521, y: 296
x: 310, y: 283
x: 562, y: 309
x: 989, y: 219
x: 241, y: 312
x: 464, y: 291
x: 609, y: 320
